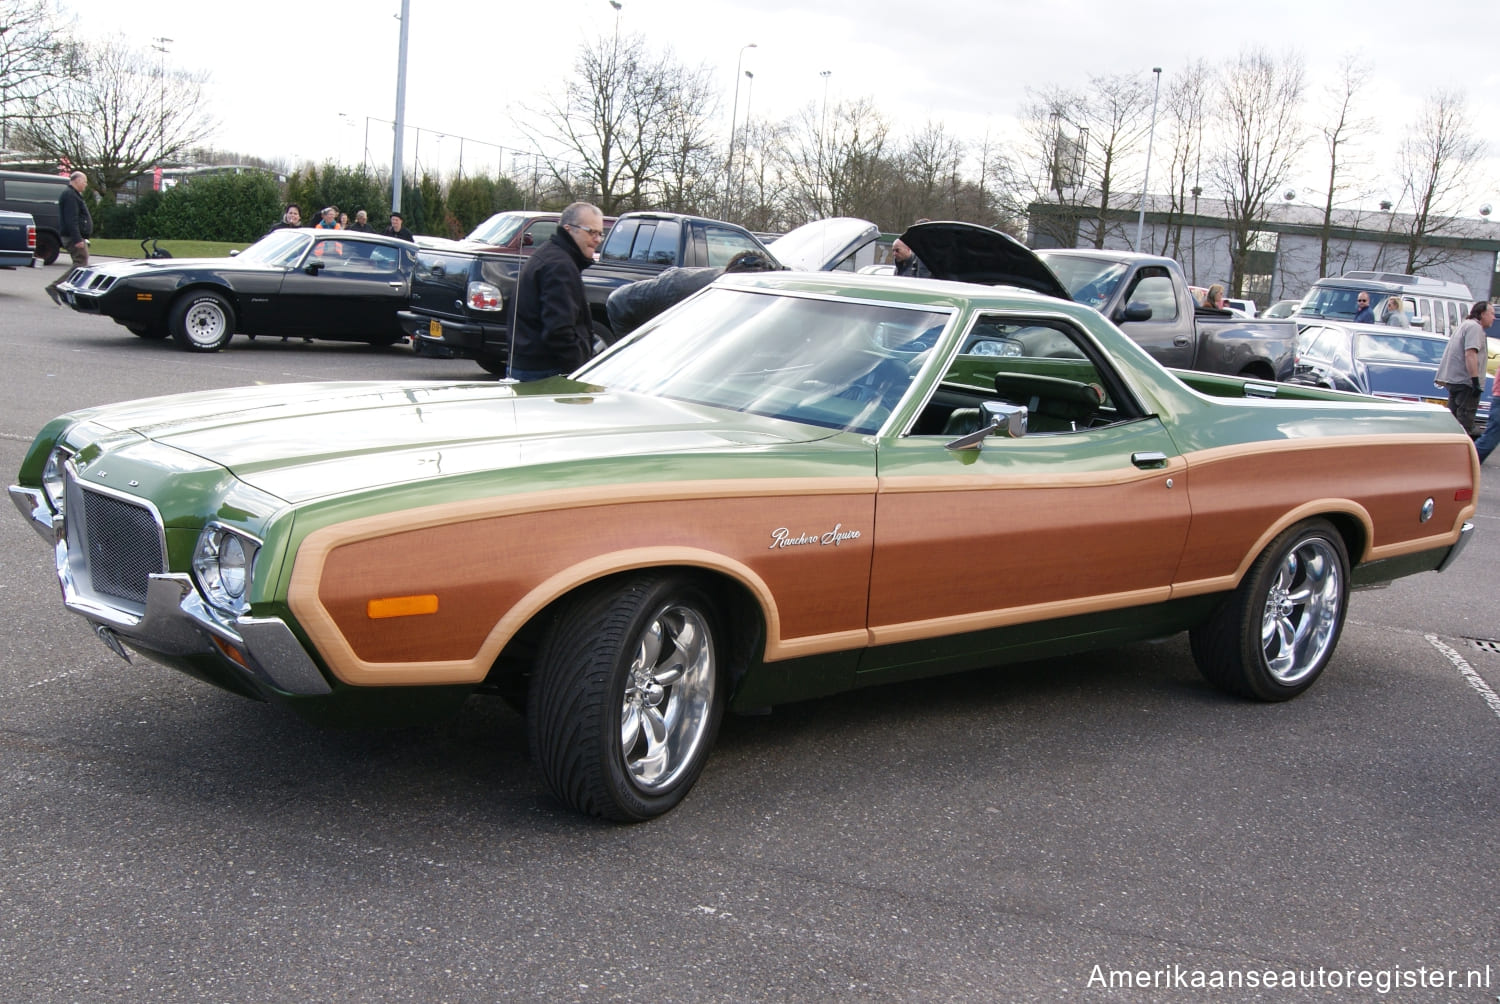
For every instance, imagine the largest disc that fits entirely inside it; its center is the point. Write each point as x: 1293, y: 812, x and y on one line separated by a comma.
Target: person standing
x: 553, y: 332
x: 290, y: 220
x: 329, y: 220
x: 361, y: 223
x: 398, y: 229
x: 1461, y: 371
x: 76, y: 225
x: 907, y: 262
x: 1364, y: 315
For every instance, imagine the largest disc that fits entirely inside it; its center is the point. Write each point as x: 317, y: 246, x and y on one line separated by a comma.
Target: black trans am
x: 339, y: 285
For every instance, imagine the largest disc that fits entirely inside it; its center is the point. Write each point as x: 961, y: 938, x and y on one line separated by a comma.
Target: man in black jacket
x: 76, y: 225
x: 553, y: 331
x: 398, y: 229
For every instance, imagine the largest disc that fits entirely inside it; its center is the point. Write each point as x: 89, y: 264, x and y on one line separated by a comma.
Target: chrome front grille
x: 114, y: 543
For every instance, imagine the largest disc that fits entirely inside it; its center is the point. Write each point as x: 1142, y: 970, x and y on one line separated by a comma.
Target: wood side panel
x: 482, y: 568
x: 943, y: 554
x: 1242, y: 498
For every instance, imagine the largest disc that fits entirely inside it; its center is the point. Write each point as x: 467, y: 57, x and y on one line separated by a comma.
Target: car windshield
x: 500, y: 228
x: 1399, y: 347
x: 280, y: 247
x: 1336, y: 302
x: 1088, y: 280
x: 833, y: 363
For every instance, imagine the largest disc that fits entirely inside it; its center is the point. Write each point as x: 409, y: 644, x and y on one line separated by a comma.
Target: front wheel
x: 626, y: 697
x: 202, y: 321
x: 1272, y: 637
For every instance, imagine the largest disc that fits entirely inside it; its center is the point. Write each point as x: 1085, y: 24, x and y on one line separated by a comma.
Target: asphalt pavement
x: 1101, y: 827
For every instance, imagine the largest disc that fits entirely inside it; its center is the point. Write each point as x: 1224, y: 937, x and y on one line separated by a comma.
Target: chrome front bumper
x: 177, y: 621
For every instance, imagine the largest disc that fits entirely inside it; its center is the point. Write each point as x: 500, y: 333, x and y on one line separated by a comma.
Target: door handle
x: 1148, y: 459
x: 396, y: 285
x: 1180, y: 340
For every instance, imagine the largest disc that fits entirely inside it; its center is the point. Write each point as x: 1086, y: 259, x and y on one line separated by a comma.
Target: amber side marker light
x: 402, y: 606
x: 143, y: 296
x: 230, y: 652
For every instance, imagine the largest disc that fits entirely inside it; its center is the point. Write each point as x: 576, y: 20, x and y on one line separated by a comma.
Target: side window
x: 617, y: 246
x: 1154, y: 288
x: 641, y: 250
x: 540, y: 232
x: 352, y: 258
x: 663, y: 249
x: 1046, y: 366
x: 725, y: 244
x: 1455, y: 315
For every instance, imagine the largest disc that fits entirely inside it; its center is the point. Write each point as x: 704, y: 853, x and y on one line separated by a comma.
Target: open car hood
x: 968, y: 252
x: 822, y: 244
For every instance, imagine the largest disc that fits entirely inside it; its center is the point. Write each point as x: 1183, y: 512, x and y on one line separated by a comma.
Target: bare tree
x: 121, y: 117
x: 1436, y: 162
x: 632, y: 118
x: 36, y: 55
x: 1186, y: 107
x: 1344, y: 127
x: 1260, y: 100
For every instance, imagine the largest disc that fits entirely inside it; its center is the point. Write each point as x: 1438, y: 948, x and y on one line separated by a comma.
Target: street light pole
x: 733, y: 123
x: 1197, y: 191
x: 1140, y: 223
x: 400, y: 109
x: 744, y: 157
x: 160, y: 45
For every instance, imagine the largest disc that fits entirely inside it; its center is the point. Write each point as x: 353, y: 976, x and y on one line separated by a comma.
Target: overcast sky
x: 307, y: 80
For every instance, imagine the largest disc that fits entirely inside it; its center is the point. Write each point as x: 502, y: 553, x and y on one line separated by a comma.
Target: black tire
x: 202, y: 321
x: 1272, y: 637
x: 627, y: 659
x: 47, y: 247
x: 492, y: 363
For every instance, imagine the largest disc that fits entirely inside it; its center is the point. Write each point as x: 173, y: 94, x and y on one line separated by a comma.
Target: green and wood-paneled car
x: 787, y: 486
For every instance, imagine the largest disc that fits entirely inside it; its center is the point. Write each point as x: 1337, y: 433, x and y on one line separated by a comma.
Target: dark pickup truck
x: 461, y: 293
x: 17, y: 240
x: 1147, y: 296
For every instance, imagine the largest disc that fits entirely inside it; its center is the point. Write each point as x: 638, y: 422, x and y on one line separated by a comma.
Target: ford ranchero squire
x: 789, y: 485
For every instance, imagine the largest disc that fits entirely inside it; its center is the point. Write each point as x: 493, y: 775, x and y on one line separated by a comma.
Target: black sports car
x: 340, y: 285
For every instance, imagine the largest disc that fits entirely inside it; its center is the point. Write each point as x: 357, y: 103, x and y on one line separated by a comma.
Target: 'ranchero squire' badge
x: 782, y: 537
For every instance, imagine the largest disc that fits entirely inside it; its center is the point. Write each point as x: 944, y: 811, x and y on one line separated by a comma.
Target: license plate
x: 1436, y: 400
x: 434, y: 329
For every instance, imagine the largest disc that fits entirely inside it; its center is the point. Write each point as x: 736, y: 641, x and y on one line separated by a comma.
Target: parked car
x: 516, y: 231
x: 1396, y: 363
x: 791, y: 485
x: 17, y: 240
x: 1282, y: 308
x: 1146, y: 295
x: 1243, y: 307
x: 1431, y: 304
x: 340, y: 285
x: 37, y: 194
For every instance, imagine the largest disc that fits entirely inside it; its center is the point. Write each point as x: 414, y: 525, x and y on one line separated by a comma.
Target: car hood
x: 153, y: 266
x: 822, y: 244
x: 305, y: 441
x: 968, y: 252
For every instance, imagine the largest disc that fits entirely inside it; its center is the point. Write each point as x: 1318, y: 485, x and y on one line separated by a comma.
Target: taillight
x: 31, y: 238
x: 483, y: 296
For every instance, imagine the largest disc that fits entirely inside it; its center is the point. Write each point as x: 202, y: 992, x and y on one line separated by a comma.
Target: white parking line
x: 1475, y: 680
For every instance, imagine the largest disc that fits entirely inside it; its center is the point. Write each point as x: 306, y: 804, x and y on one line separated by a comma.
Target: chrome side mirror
x: 1000, y: 418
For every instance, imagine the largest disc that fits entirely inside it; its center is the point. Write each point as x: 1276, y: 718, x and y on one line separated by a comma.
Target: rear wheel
x: 492, y: 363
x: 202, y: 321
x: 626, y: 698
x: 1275, y: 633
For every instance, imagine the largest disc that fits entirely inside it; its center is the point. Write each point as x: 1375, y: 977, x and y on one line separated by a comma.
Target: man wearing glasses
x: 1364, y: 315
x: 552, y: 332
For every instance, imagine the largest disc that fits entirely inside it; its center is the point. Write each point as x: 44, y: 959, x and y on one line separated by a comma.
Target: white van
x: 1431, y: 304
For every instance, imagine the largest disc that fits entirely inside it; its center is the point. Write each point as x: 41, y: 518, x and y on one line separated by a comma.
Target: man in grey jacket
x: 76, y: 225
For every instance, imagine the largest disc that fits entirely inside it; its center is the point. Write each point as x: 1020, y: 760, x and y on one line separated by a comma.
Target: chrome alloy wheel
x: 1302, y: 610
x: 669, y: 692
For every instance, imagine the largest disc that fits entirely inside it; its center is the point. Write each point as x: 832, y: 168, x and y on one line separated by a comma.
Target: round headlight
x: 233, y: 566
